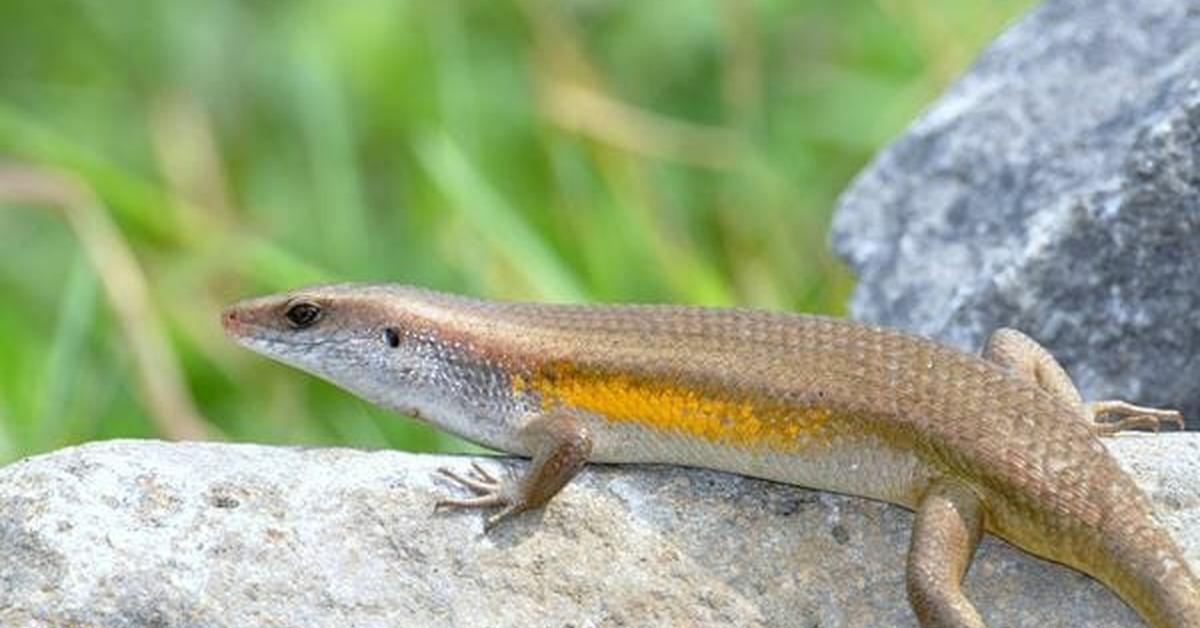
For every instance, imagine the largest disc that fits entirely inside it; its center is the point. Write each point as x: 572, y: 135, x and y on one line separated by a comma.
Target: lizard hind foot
x: 1130, y: 416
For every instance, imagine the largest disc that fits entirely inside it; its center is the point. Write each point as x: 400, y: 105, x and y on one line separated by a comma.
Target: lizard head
x: 366, y: 339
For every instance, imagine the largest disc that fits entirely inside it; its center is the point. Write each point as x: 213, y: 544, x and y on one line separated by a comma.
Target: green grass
x: 590, y: 150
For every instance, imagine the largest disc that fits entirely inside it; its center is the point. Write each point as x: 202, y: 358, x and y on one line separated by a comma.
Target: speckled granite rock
x: 1055, y: 188
x: 143, y: 533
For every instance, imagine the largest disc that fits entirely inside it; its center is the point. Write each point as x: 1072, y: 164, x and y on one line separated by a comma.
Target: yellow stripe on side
x: 677, y: 407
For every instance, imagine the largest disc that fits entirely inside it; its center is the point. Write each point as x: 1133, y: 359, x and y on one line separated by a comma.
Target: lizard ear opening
x: 392, y: 337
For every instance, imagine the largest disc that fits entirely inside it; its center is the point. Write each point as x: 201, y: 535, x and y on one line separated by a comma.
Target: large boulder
x: 1054, y: 188
x: 144, y: 533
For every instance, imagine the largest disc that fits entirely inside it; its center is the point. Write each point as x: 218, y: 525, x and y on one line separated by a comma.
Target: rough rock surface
x: 1054, y: 188
x: 144, y: 533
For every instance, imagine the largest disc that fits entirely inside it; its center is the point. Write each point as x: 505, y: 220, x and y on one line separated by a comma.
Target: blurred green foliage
x: 586, y: 150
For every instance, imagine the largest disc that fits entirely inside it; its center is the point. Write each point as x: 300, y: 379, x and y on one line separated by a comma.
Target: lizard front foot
x: 560, y: 447
x: 489, y: 492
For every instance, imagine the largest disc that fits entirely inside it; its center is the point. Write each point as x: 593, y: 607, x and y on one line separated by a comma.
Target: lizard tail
x: 1151, y: 574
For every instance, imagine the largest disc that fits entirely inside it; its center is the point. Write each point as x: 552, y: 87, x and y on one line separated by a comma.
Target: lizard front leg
x: 1027, y: 359
x: 559, y: 445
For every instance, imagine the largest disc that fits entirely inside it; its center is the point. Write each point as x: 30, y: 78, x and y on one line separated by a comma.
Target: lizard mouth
x: 242, y: 325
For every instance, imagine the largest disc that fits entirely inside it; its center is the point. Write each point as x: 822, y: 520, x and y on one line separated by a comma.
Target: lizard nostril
x: 229, y: 318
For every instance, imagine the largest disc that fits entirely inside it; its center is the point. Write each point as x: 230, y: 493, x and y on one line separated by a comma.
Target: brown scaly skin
x: 1002, y: 444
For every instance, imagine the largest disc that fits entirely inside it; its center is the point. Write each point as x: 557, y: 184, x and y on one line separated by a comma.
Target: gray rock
x: 1054, y: 188
x: 143, y: 533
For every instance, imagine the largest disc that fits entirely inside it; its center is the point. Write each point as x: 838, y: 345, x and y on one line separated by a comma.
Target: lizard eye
x: 303, y: 314
x: 392, y: 337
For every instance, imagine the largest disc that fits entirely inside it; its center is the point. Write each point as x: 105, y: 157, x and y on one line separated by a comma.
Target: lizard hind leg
x: 1027, y: 359
x: 947, y: 529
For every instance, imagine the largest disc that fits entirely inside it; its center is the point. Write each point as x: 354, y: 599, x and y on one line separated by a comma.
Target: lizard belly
x: 862, y: 465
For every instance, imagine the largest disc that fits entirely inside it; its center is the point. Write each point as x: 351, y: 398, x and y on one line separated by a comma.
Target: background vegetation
x: 159, y: 159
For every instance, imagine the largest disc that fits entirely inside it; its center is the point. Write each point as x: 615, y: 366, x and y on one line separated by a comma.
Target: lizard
x: 1000, y: 442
